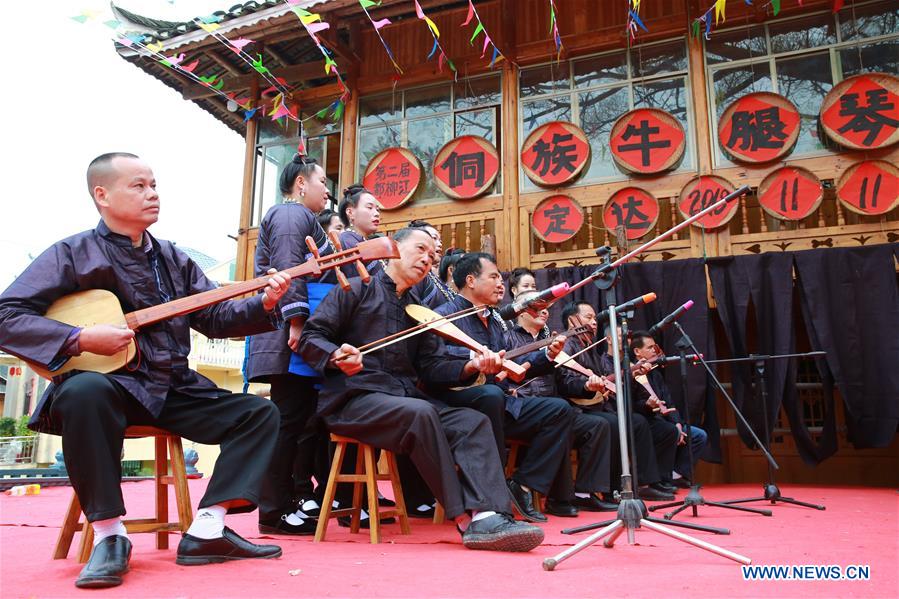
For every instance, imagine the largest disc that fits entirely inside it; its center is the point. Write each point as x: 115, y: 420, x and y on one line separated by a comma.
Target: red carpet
x: 859, y: 527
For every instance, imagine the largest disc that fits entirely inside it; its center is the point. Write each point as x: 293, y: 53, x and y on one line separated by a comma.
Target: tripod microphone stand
x: 632, y: 513
x: 771, y: 491
x: 694, y: 498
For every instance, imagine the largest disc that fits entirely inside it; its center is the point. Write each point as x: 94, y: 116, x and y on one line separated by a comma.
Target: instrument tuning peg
x: 342, y: 280
x: 335, y: 241
x: 310, y: 243
x: 363, y: 272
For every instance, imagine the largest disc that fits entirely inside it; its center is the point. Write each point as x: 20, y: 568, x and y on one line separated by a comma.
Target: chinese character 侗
x: 465, y: 167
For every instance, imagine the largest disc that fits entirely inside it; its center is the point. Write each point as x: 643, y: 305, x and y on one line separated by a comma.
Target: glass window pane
x: 546, y: 79
x: 805, y: 81
x: 269, y: 163
x: 426, y: 137
x: 427, y: 101
x: 476, y: 122
x: 599, y: 70
x: 736, y: 44
x: 669, y: 95
x: 881, y: 57
x: 372, y: 141
x: 801, y: 34
x: 481, y: 91
x: 320, y: 126
x: 374, y: 110
x: 730, y: 84
x: 598, y: 111
x: 534, y: 114
x: 868, y: 21
x: 273, y: 131
x: 659, y: 58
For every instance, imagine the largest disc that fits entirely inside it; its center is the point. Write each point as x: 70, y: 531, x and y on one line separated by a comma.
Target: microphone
x: 666, y: 322
x: 510, y: 311
x: 646, y: 298
x: 671, y: 359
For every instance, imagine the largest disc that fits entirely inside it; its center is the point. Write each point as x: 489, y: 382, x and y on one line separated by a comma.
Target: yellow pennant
x: 719, y: 10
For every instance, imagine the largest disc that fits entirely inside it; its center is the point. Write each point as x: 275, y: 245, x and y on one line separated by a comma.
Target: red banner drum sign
x: 393, y: 176
x: 466, y: 167
x: 557, y: 218
x: 646, y: 141
x: 862, y: 112
x: 870, y: 188
x: 759, y: 127
x: 703, y: 191
x: 555, y: 154
x: 790, y: 193
x: 633, y: 208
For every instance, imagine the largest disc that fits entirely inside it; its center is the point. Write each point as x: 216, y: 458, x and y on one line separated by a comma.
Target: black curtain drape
x: 851, y: 304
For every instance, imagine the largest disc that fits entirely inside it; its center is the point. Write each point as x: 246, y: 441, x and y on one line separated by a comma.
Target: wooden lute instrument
x: 99, y: 306
x: 448, y: 330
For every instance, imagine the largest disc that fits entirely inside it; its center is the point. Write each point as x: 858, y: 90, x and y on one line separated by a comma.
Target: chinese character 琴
x: 870, y: 118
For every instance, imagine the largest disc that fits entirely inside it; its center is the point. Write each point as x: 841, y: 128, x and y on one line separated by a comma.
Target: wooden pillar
x: 246, y: 199
x: 348, y: 134
x: 512, y: 232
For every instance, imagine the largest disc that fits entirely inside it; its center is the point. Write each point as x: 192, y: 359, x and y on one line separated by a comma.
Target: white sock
x: 363, y: 514
x: 582, y: 495
x: 296, y: 518
x: 423, y: 507
x: 475, y: 516
x: 209, y: 523
x: 676, y: 475
x: 108, y: 528
x: 310, y: 505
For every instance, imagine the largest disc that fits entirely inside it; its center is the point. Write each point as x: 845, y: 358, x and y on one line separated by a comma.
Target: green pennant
x: 775, y: 5
x: 338, y: 112
x: 369, y: 3
x: 477, y: 30
x: 695, y: 27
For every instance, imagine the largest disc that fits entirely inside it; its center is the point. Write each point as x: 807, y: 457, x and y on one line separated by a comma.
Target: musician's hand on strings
x: 486, y: 362
x: 653, y: 404
x: 595, y: 383
x: 553, y: 349
x: 105, y: 339
x: 642, y: 368
x: 348, y: 359
x: 681, y: 435
x: 278, y: 284
x: 296, y: 330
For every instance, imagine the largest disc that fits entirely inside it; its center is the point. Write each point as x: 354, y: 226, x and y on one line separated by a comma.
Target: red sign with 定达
x: 870, y: 187
x: 700, y: 193
x: 466, y: 167
x: 646, y: 141
x: 759, y: 127
x: 557, y: 218
x: 790, y: 193
x: 393, y: 177
x: 555, y: 153
x: 634, y: 209
x: 862, y: 112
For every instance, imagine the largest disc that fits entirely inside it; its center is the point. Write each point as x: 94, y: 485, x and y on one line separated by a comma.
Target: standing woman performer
x: 361, y: 215
x: 281, y: 241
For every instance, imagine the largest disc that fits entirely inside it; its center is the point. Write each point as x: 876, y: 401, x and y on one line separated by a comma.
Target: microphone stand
x: 694, y: 498
x: 632, y: 513
x: 771, y: 492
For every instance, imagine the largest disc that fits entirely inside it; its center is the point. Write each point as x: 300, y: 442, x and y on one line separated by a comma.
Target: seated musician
x: 644, y: 348
x: 377, y: 399
x: 591, y: 435
x: 91, y: 411
x: 590, y: 400
x: 544, y: 422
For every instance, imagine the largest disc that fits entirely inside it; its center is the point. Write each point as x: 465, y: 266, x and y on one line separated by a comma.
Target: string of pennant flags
x: 703, y: 24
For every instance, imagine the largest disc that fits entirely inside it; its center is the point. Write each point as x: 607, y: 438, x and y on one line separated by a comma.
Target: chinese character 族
x: 629, y: 215
x: 465, y: 167
x: 645, y: 145
x: 870, y: 118
x: 762, y: 129
x: 557, y: 216
x: 554, y: 154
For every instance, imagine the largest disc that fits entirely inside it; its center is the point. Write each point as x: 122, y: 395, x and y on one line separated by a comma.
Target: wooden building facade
x: 801, y: 54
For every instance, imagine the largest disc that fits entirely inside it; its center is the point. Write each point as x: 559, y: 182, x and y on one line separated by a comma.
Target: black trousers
x: 486, y: 399
x: 644, y: 448
x: 296, y: 399
x: 592, y: 439
x: 664, y: 438
x: 546, y: 423
x: 93, y: 412
x: 437, y: 438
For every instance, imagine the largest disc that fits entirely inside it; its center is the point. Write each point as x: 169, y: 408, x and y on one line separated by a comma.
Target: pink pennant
x: 282, y: 111
x: 239, y: 44
x: 470, y: 14
x: 486, y: 43
x: 418, y: 11
x: 125, y: 41
x: 440, y: 60
x: 190, y: 67
x: 314, y: 28
x: 381, y: 23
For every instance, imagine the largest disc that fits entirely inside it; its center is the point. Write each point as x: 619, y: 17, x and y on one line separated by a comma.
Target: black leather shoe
x: 108, y: 562
x: 651, y: 494
x: 424, y: 514
x: 193, y: 551
x: 500, y: 532
x: 563, y: 509
x: 282, y: 527
x: 594, y: 504
x: 609, y: 498
x: 311, y: 512
x: 682, y: 483
x: 384, y: 502
x: 364, y: 523
x: 664, y: 487
x: 524, y: 503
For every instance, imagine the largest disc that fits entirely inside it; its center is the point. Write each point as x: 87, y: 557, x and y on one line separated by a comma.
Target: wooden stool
x: 367, y: 474
x: 160, y: 524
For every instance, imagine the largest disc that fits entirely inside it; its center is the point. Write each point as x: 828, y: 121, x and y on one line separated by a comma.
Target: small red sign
x: 862, y: 112
x: 700, y: 193
x: 647, y: 141
x: 633, y: 208
x: 556, y: 219
x: 555, y: 153
x: 759, y: 127
x: 393, y: 176
x: 790, y: 193
x: 466, y: 167
x: 870, y: 187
